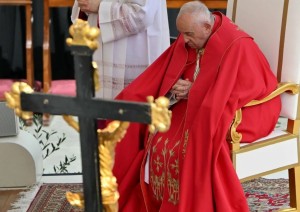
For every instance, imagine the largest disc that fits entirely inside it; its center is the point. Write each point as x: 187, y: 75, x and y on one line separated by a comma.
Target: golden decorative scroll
x: 96, y: 76
x: 75, y: 199
x: 232, y: 135
x: 107, y: 140
x: 13, y: 99
x: 83, y: 35
x: 160, y: 114
x: 282, y: 87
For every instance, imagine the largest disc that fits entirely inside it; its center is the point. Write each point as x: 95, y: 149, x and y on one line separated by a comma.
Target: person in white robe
x: 133, y: 33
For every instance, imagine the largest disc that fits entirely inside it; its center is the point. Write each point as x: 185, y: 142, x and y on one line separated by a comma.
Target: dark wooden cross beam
x: 87, y: 109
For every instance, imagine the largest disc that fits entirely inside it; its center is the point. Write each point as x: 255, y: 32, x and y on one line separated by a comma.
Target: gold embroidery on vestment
x: 186, y: 138
x: 165, y: 168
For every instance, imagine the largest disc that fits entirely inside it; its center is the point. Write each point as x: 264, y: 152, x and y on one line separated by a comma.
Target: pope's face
x: 195, y: 34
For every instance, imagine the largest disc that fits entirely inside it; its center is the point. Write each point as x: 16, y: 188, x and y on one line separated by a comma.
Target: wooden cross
x: 85, y: 107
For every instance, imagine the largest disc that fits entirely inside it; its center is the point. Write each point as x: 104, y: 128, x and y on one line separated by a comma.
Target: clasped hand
x: 89, y: 6
x: 181, y: 89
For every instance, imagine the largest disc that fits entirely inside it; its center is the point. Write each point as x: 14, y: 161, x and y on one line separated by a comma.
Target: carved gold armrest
x: 235, y: 137
x: 288, y: 87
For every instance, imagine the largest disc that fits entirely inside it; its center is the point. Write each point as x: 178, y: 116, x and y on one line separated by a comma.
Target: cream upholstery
x: 275, y: 26
x: 21, y: 160
x: 279, y: 154
x: 265, y: 21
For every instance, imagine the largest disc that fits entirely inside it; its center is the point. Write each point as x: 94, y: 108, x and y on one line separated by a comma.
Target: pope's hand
x: 89, y: 6
x: 181, y: 89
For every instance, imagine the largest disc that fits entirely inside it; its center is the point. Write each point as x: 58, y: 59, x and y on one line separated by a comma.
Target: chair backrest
x: 61, y: 3
x: 15, y: 2
x: 29, y: 52
x: 5, y: 84
x: 275, y: 26
x: 48, y: 4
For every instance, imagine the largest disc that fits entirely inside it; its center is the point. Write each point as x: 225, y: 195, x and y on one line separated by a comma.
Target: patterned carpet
x: 267, y: 194
x: 51, y: 197
x: 263, y: 195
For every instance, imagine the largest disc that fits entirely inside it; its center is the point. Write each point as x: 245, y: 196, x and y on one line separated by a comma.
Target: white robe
x: 133, y: 34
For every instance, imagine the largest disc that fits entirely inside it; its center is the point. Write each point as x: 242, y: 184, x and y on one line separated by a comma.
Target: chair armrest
x: 281, y: 88
x: 235, y: 137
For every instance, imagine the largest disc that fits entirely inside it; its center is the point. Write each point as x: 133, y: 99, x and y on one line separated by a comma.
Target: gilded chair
x: 275, y: 26
x: 5, y: 84
x: 61, y: 87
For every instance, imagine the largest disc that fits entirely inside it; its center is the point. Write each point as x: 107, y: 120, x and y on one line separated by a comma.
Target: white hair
x: 198, y: 10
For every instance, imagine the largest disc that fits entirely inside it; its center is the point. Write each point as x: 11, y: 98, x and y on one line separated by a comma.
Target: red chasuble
x: 189, y: 166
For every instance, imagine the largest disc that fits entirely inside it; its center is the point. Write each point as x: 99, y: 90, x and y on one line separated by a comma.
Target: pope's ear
x: 207, y: 27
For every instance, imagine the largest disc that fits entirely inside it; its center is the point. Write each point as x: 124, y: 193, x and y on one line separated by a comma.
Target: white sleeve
x: 75, y: 12
x: 118, y: 20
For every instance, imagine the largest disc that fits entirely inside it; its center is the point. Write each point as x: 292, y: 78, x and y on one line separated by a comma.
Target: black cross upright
x: 87, y: 109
